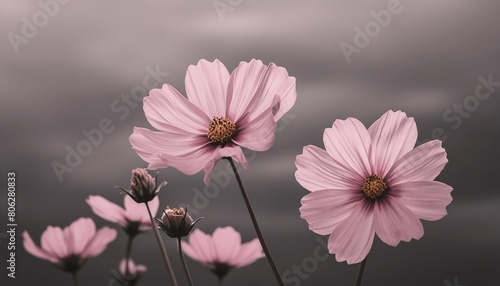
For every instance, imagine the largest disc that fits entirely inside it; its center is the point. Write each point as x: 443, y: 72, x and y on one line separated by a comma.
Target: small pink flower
x: 221, y: 113
x: 69, y: 248
x: 133, y: 269
x: 134, y: 218
x: 222, y: 251
x: 371, y: 182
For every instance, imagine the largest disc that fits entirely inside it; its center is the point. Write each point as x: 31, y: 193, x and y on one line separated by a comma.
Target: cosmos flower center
x: 374, y: 187
x: 179, y: 211
x: 221, y: 130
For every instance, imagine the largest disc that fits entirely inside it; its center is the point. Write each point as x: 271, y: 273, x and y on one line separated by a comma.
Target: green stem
x: 184, y: 265
x: 163, y: 251
x: 360, y: 272
x: 255, y: 224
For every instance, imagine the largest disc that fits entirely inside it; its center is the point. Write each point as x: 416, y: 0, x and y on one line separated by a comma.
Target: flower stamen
x: 221, y: 130
x: 374, y: 187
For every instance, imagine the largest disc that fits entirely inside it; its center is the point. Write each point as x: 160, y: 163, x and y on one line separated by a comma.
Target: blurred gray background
x: 66, y: 68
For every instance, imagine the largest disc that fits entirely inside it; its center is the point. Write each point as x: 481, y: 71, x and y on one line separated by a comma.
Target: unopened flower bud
x: 176, y: 223
x: 142, y: 186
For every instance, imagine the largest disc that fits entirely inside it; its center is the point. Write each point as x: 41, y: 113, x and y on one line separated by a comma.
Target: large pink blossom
x: 371, y: 182
x: 223, y: 250
x: 221, y: 113
x: 134, y: 218
x: 70, y: 247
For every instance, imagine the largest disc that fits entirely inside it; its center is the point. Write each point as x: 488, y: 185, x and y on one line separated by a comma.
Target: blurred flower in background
x: 222, y: 251
x: 69, y: 248
x: 134, y: 218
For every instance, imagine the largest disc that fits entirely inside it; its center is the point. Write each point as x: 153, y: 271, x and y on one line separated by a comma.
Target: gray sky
x: 64, y: 73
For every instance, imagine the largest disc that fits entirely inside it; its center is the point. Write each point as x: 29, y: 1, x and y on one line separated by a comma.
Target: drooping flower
x: 69, y: 248
x: 222, y: 251
x: 134, y: 218
x: 143, y: 188
x: 371, y: 182
x: 221, y: 114
x: 176, y: 223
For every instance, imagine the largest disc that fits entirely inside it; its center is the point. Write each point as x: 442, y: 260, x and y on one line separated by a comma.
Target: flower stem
x: 184, y: 265
x: 75, y: 278
x: 127, y: 254
x: 255, y: 224
x: 360, y: 272
x: 164, y: 254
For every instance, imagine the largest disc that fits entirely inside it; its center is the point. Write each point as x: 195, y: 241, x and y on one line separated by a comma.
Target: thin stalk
x: 127, y: 254
x: 255, y: 224
x: 75, y: 278
x: 163, y: 251
x: 360, y: 272
x: 184, y: 265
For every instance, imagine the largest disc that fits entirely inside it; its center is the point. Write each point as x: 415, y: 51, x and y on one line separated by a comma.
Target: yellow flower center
x: 374, y: 187
x: 221, y: 130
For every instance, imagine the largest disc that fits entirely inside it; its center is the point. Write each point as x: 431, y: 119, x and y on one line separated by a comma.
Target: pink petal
x: 229, y: 150
x: 227, y: 243
x: 288, y: 95
x: 394, y: 222
x: 99, y: 242
x: 426, y: 199
x: 192, y: 163
x: 325, y: 209
x: 423, y: 163
x: 316, y: 170
x: 132, y: 267
x: 348, y: 143
x: 392, y: 136
x: 166, y: 109
x: 78, y: 235
x: 248, y: 254
x: 34, y: 250
x: 235, y: 152
x: 352, y: 239
x: 202, y: 247
x: 106, y: 209
x: 138, y: 212
x: 188, y: 249
x: 243, y: 85
x: 206, y: 87
x: 149, y: 144
x: 54, y: 243
x: 256, y: 134
x: 271, y: 83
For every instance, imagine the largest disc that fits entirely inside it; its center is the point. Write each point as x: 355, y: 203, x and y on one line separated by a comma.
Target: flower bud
x: 142, y: 186
x: 176, y: 223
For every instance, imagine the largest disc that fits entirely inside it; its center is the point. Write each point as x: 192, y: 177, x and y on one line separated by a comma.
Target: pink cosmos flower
x: 69, y: 248
x: 133, y: 269
x: 221, y: 113
x: 371, y: 182
x: 222, y: 251
x: 134, y: 218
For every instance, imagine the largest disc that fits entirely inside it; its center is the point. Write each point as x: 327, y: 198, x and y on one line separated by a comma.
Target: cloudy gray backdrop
x: 65, y: 77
